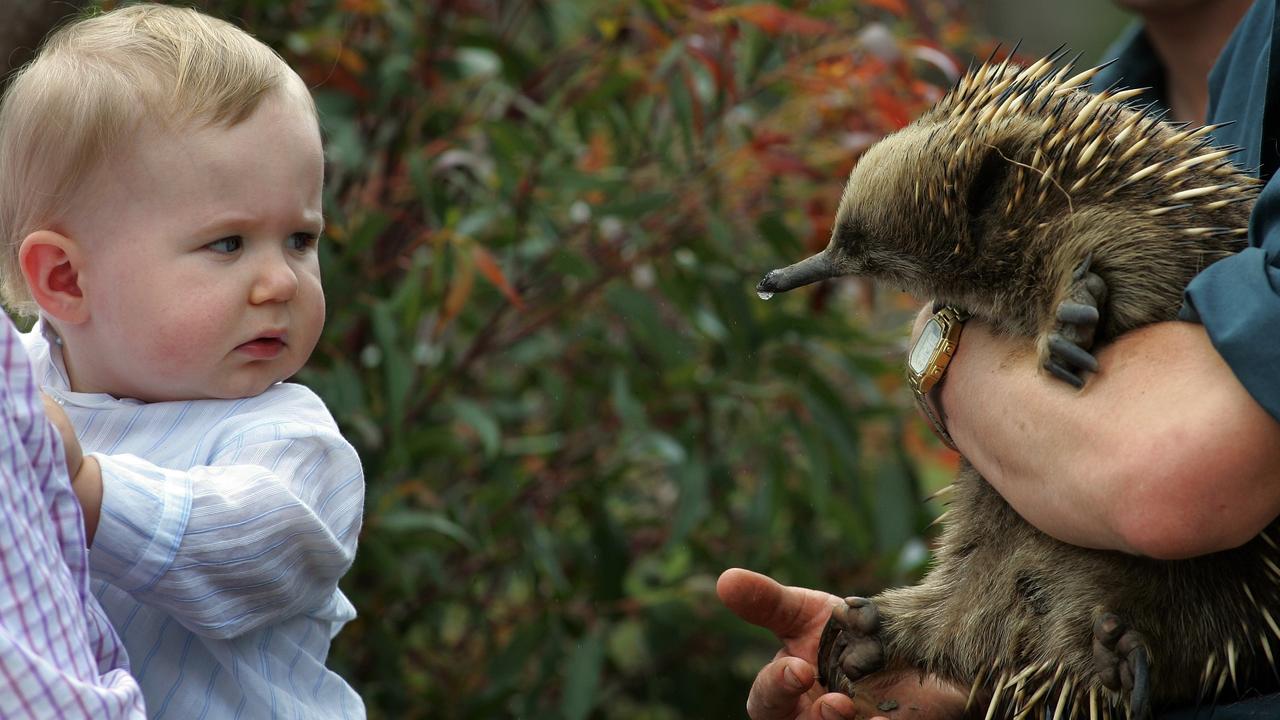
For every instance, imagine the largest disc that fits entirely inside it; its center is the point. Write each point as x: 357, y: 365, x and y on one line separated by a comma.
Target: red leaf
x: 891, y: 107
x: 489, y: 268
x: 456, y: 296
x: 765, y: 139
x: 897, y: 7
x: 723, y: 81
x: 339, y: 77
x: 780, y: 162
x: 775, y: 20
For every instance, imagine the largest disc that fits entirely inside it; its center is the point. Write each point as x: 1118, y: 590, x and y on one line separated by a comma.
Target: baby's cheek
x: 181, y: 343
x: 309, y: 316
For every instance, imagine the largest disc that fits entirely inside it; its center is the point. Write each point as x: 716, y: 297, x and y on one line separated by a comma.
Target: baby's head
x: 160, y: 202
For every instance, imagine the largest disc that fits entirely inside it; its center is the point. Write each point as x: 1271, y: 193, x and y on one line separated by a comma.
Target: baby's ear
x: 51, y: 264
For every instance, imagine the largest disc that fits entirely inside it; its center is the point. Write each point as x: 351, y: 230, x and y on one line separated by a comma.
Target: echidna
x: 1067, y: 218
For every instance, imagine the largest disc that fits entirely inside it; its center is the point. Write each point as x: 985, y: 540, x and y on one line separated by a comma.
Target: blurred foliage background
x: 546, y: 221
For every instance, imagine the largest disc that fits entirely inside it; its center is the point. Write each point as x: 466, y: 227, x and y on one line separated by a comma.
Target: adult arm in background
x: 59, y: 656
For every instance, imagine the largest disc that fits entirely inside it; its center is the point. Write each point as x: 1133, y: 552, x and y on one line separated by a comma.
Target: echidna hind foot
x: 1122, y: 661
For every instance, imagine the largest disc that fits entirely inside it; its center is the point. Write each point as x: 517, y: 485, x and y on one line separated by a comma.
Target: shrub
x: 546, y: 222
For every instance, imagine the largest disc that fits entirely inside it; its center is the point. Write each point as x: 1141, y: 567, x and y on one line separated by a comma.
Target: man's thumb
x: 791, y: 613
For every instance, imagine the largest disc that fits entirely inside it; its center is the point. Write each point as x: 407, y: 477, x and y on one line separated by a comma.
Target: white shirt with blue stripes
x: 225, y: 527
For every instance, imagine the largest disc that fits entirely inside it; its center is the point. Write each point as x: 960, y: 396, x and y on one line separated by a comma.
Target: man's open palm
x: 787, y: 687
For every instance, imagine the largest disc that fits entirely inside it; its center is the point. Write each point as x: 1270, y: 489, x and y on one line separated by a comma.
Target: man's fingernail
x: 792, y: 680
x: 830, y: 713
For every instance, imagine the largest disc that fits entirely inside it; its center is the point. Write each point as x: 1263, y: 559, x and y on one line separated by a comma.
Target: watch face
x: 927, y: 344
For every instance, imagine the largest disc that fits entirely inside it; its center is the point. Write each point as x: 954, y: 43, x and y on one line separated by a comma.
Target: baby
x: 160, y: 204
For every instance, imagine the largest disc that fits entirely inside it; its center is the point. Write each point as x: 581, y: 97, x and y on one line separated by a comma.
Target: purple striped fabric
x: 59, y: 657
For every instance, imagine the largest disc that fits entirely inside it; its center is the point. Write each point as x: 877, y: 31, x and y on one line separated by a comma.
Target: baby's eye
x: 227, y: 244
x: 302, y: 241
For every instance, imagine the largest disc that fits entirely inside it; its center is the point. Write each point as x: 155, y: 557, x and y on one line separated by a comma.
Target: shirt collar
x: 57, y: 383
x: 1244, y: 89
x: 1134, y: 64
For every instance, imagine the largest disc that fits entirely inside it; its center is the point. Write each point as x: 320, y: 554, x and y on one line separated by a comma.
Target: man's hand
x: 84, y: 472
x: 787, y: 688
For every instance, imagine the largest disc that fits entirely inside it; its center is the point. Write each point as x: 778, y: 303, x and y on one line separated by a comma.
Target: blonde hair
x: 96, y: 81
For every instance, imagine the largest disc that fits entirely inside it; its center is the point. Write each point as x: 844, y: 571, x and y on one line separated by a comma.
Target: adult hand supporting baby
x: 85, y: 473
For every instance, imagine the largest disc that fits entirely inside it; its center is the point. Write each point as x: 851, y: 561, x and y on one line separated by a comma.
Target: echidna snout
x: 885, y: 226
x: 807, y: 271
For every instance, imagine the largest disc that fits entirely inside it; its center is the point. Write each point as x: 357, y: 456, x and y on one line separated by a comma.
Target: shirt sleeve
x: 260, y: 533
x: 59, y: 656
x: 1237, y: 299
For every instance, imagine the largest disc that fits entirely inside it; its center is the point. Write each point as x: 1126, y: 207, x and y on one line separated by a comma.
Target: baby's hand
x: 85, y: 473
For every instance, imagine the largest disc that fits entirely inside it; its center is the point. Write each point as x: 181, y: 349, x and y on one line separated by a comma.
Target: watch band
x: 936, y: 419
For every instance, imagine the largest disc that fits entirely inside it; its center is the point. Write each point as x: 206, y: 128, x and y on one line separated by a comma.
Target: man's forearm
x: 1162, y: 454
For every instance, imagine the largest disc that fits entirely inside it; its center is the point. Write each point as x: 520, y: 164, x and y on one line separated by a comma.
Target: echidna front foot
x: 850, y: 647
x: 1122, y: 660
x: 1065, y: 353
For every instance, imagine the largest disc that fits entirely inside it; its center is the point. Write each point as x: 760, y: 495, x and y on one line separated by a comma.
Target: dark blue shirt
x: 1236, y: 299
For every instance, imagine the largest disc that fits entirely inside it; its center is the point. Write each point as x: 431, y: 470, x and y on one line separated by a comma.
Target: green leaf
x: 647, y: 325
x: 779, y: 236
x: 411, y: 521
x: 582, y: 677
x: 533, y: 444
x: 480, y: 420
x: 397, y: 368
x: 661, y: 447
x: 693, y: 504
x: 896, y: 507
x: 632, y: 208
x: 546, y: 557
x: 628, y: 647
x: 629, y: 410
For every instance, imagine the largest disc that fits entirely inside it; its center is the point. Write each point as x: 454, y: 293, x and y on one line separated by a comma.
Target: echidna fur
x: 989, y: 201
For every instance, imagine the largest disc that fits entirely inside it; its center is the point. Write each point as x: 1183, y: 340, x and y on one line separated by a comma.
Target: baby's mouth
x: 263, y: 347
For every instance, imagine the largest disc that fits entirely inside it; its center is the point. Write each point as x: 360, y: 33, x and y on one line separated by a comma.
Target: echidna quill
x: 1067, y: 218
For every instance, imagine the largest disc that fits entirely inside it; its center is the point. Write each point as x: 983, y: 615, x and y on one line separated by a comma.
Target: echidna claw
x: 1064, y: 374
x: 1072, y: 353
x: 1083, y: 268
x: 1077, y: 314
x: 1139, y: 699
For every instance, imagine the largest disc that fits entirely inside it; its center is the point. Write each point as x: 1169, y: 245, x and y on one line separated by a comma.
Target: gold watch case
x: 932, y: 351
x: 928, y: 360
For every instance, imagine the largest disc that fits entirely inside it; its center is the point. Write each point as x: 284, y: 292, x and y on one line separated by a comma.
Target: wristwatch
x: 928, y: 361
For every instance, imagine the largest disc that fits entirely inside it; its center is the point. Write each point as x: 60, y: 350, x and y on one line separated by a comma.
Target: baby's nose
x: 277, y: 281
